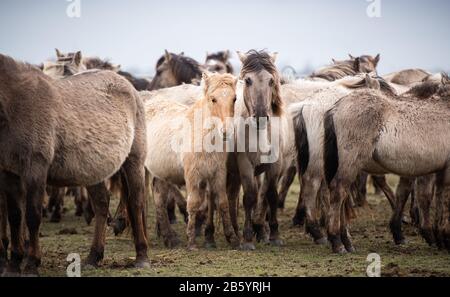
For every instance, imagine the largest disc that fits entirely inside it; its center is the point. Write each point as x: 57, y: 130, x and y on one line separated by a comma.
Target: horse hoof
x: 407, y: 221
x: 192, y: 248
x: 119, y: 225
x: 350, y: 249
x: 142, y: 264
x: 210, y: 245
x: 296, y: 222
x: 55, y: 219
x: 339, y: 250
x: 401, y: 241
x: 248, y: 246
x: 321, y: 241
x: 276, y: 242
x: 172, y: 243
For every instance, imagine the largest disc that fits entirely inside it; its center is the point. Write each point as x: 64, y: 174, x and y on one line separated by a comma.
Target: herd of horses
x: 82, y: 126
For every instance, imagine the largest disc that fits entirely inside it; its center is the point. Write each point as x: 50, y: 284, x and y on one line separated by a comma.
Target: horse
x: 407, y: 77
x: 308, y: 118
x: 76, y: 131
x: 219, y: 62
x: 173, y: 70
x: 377, y: 133
x: 258, y: 161
x: 140, y: 84
x: 202, y: 171
x: 340, y: 69
x: 64, y: 67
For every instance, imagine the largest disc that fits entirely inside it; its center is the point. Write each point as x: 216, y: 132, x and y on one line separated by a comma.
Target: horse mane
x: 97, y: 63
x: 336, y: 71
x: 384, y: 85
x: 424, y: 90
x: 216, y: 81
x: 257, y: 61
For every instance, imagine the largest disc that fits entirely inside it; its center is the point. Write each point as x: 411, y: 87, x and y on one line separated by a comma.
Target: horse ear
x: 241, y: 56
x: 357, y: 64
x: 226, y: 55
x: 273, y: 57
x: 167, y: 55
x: 445, y: 79
x: 58, y: 53
x: 333, y: 60
x: 376, y: 60
x: 205, y: 77
x: 181, y: 54
x: 351, y: 57
x: 77, y: 58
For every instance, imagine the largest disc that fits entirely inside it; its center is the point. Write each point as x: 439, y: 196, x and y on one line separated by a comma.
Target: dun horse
x: 340, y: 69
x: 173, y: 70
x: 218, y: 62
x: 73, y: 132
x: 379, y: 134
x: 202, y: 171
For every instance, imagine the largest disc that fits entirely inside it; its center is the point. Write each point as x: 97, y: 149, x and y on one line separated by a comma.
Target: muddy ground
x: 299, y: 257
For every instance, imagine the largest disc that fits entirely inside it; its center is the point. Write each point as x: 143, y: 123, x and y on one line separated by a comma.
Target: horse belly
x: 93, y: 157
x: 411, y: 156
x: 163, y: 160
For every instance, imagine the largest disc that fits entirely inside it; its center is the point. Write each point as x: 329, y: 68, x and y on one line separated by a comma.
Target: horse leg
x: 286, y: 181
x: 219, y: 190
x: 250, y: 196
x: 4, y: 241
x: 361, y: 187
x: 261, y: 214
x: 381, y: 183
x: 14, y: 193
x: 209, y: 228
x: 233, y: 189
x: 424, y: 195
x: 78, y: 199
x: 414, y: 208
x: 201, y: 217
x: 88, y: 212
x: 346, y: 238
x: 160, y: 193
x: 271, y: 196
x: 338, y: 194
x: 100, y: 203
x: 57, y: 195
x: 180, y: 202
x: 196, y: 196
x: 442, y: 220
x: 171, y: 209
x: 309, y: 193
x: 133, y: 181
x: 403, y: 191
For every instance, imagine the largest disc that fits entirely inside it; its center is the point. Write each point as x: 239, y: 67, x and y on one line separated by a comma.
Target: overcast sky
x: 307, y: 34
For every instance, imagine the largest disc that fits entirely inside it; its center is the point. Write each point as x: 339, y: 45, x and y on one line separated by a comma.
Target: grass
x: 299, y: 257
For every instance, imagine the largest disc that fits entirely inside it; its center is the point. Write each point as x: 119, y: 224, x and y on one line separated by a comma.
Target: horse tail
x: 301, y: 142
x: 331, y: 156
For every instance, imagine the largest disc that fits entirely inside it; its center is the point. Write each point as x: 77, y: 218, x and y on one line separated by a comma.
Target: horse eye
x: 248, y: 81
x: 235, y: 99
x: 271, y: 82
x: 214, y: 100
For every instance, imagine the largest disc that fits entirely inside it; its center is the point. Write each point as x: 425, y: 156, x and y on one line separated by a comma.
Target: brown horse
x: 173, y: 70
x: 340, y: 69
x: 219, y: 62
x: 376, y: 133
x: 77, y: 131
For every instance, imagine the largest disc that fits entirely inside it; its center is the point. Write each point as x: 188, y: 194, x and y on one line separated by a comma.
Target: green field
x: 299, y: 257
